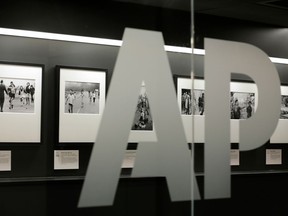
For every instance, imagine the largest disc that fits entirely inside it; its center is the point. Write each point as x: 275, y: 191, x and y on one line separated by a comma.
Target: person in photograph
x: 22, y: 96
x: 232, y: 101
x: 70, y: 101
x: 3, y: 90
x: 201, y: 104
x: 94, y: 96
x: 193, y: 104
x: 249, y: 109
x: 237, y: 110
x: 143, y: 101
x: 90, y: 96
x: 28, y: 93
x: 183, y: 98
x: 187, y: 103
x: 285, y: 101
x: 82, y: 98
x: 143, y: 119
x: 252, y: 98
x: 11, y: 92
x: 32, y: 92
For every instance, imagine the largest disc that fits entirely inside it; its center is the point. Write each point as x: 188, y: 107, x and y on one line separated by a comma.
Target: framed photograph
x: 243, y: 104
x: 280, y: 134
x: 82, y: 94
x: 20, y: 102
x: 142, y: 128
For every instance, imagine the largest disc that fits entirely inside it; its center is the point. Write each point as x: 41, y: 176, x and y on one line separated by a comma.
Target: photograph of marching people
x: 186, y: 102
x: 198, y: 102
x: 143, y: 118
x: 284, y: 107
x: 242, y: 105
x: 82, y: 94
x: 82, y: 97
x: 17, y: 95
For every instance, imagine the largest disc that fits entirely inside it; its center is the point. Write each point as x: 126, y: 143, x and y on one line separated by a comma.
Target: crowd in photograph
x: 242, y: 104
x: 191, y: 104
x: 186, y: 108
x: 242, y: 107
x: 80, y: 98
x: 284, y: 107
x: 143, y: 120
x: 25, y: 95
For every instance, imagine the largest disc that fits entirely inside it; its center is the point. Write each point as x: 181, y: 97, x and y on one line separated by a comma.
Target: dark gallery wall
x: 269, y: 38
x: 104, y: 19
x: 34, y: 188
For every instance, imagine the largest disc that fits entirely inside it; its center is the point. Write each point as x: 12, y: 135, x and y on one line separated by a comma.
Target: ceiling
x: 264, y: 11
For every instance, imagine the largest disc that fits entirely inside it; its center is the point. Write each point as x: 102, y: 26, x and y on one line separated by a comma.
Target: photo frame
x: 280, y: 134
x: 82, y: 95
x: 20, y: 102
x: 241, y: 94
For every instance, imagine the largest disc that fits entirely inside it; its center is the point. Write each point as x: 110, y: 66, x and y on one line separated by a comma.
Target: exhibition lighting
x: 178, y: 49
x: 184, y: 50
x: 199, y: 51
x: 279, y: 60
x: 103, y: 41
x: 61, y: 37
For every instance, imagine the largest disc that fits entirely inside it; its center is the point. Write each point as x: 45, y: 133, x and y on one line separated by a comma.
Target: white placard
x: 5, y: 160
x: 273, y: 156
x: 129, y: 159
x: 66, y: 159
x: 234, y: 157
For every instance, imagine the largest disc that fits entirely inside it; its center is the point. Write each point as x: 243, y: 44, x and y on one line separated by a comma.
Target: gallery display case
x: 48, y: 137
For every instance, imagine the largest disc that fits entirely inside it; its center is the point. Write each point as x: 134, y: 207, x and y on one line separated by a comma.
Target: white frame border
x: 280, y: 134
x: 71, y: 129
x: 22, y: 127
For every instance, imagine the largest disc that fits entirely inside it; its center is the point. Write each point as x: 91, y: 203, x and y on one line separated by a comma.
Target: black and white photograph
x: 242, y: 105
x: 186, y: 99
x: 198, y: 102
x: 186, y: 102
x: 21, y: 102
x: 284, y: 107
x: 280, y: 135
x: 143, y: 117
x: 82, y: 97
x: 17, y: 95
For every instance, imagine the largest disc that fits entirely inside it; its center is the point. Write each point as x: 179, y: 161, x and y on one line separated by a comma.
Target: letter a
x: 141, y: 58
